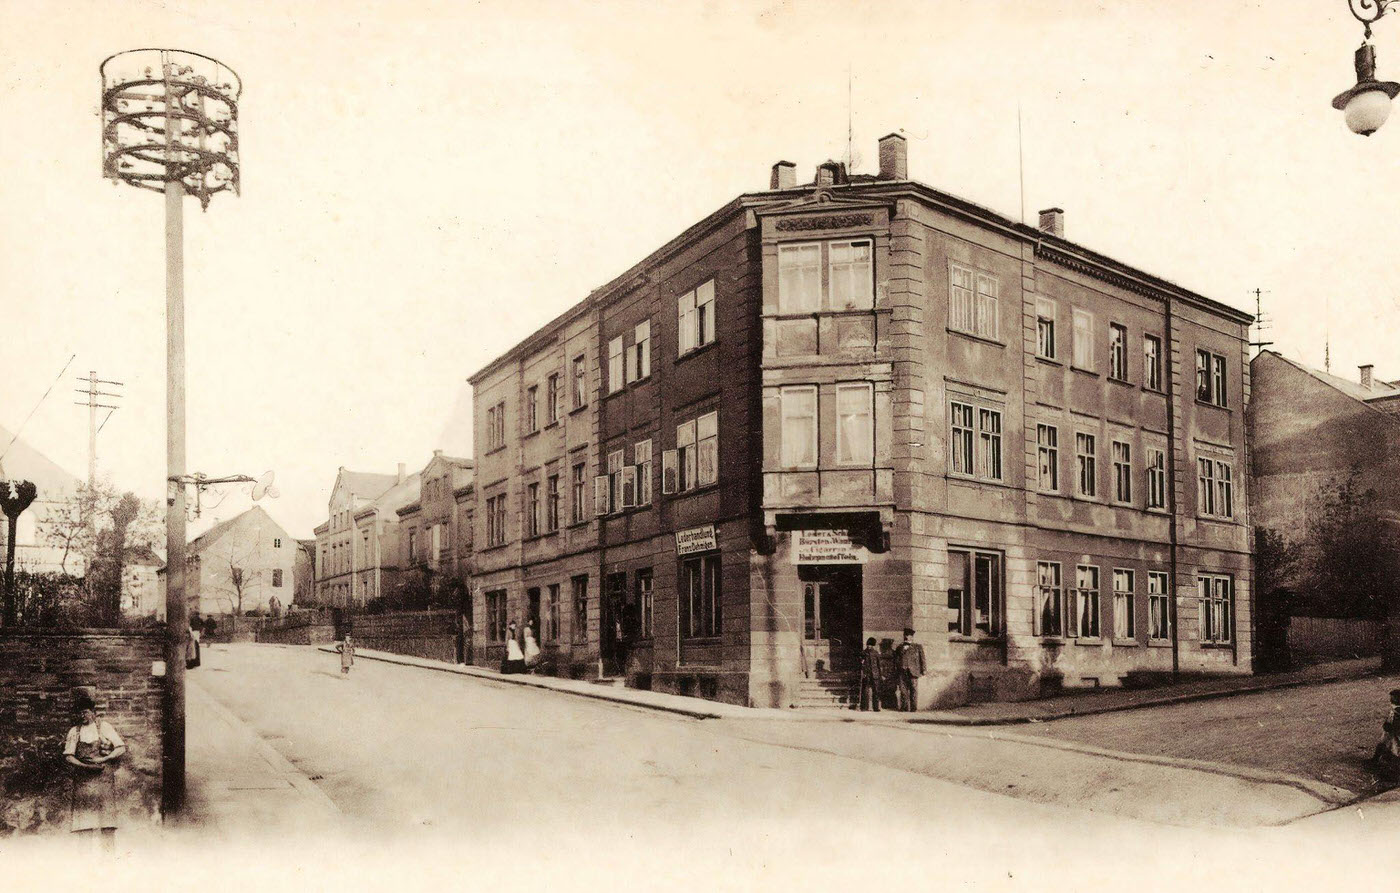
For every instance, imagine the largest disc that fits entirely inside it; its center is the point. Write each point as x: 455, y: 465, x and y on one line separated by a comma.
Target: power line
x: 36, y: 406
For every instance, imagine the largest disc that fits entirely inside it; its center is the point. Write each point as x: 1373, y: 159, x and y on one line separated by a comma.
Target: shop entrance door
x: 831, y: 597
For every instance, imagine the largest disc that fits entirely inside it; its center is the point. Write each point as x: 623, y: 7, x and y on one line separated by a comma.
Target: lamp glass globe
x: 1366, y: 111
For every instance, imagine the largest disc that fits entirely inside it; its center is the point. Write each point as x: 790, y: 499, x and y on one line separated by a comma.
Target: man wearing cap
x: 908, y: 667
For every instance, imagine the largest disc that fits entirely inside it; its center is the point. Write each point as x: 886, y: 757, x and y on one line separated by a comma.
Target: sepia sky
x: 425, y: 183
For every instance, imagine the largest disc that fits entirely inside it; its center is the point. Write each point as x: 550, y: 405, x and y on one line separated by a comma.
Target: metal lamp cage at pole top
x: 170, y: 116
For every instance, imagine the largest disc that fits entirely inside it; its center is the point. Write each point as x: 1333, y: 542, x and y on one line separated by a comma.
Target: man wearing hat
x: 908, y: 667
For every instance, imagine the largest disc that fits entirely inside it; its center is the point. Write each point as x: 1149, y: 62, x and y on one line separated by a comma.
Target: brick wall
x: 419, y: 634
x: 38, y: 675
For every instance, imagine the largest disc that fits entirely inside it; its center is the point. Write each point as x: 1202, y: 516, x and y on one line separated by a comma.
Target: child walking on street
x: 347, y: 655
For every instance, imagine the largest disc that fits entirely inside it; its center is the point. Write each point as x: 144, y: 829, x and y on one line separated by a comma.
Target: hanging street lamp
x: 1367, y: 105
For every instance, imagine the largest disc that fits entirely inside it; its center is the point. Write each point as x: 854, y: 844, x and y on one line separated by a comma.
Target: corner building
x: 829, y: 411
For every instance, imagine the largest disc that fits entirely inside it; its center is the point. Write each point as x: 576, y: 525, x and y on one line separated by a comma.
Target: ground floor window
x: 700, y: 597
x: 1124, y: 626
x: 1049, y: 606
x: 1159, y: 613
x: 580, y: 598
x: 1083, y: 608
x: 496, y: 615
x: 974, y: 593
x: 551, y: 614
x: 644, y: 602
x: 1216, y: 593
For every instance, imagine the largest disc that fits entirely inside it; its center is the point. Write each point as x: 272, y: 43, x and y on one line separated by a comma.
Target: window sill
x: 1088, y: 640
x: 1217, y: 646
x: 1159, y: 643
x: 494, y: 450
x: 528, y: 434
x: 681, y: 494
x: 495, y: 547
x: 1121, y: 382
x: 624, y: 512
x: 1200, y: 402
x: 1158, y: 391
x: 1157, y: 510
x: 1126, y: 642
x: 970, y: 479
x: 1052, y: 641
x: 694, y: 351
x: 975, y: 640
x: 553, y: 424
x: 979, y: 338
x: 701, y: 640
x: 577, y: 524
x: 578, y: 409
x: 1215, y: 519
x: 541, y: 536
x: 1049, y: 361
x: 1082, y: 371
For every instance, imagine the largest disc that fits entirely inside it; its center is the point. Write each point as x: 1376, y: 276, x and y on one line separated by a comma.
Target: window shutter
x: 600, y: 494
x: 668, y: 471
x: 629, y: 486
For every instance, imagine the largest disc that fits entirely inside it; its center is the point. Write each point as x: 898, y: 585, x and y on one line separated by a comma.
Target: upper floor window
x: 532, y: 411
x: 975, y: 450
x: 496, y: 426
x: 1156, y: 478
x: 580, y: 381
x: 495, y: 523
x: 1045, y: 328
x: 1152, y: 362
x: 973, y: 302
x: 1215, y: 494
x: 532, y: 509
x: 847, y: 285
x: 798, y: 410
x: 695, y: 317
x: 580, y: 490
x: 1087, y: 456
x: 1117, y: 352
x: 1122, y: 471
x: 855, y: 424
x: 1210, y: 378
x: 1083, y: 340
x: 551, y: 511
x: 695, y: 460
x: 554, y: 396
x: 641, y: 459
x: 615, y: 365
x: 277, y: 542
x: 1047, y: 438
x: 961, y: 439
x: 639, y: 355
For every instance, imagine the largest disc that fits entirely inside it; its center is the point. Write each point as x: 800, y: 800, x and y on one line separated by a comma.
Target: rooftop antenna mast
x: 1261, y: 322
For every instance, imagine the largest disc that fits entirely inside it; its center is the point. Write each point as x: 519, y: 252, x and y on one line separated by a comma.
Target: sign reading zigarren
x: 696, y: 539
x: 826, y: 547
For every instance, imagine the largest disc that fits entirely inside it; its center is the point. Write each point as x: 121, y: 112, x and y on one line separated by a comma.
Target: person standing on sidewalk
x: 346, y: 647
x: 515, y: 656
x: 532, y: 648
x: 909, y: 666
x: 89, y: 747
x: 872, y: 676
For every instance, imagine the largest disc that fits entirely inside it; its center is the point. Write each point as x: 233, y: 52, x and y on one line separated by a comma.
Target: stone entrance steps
x: 826, y: 688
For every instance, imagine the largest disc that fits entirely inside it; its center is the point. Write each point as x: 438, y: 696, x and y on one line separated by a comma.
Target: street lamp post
x: 1367, y: 105
x: 170, y: 125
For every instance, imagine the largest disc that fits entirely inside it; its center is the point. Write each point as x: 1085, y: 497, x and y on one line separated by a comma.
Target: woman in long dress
x: 90, y: 747
x: 347, y: 654
x: 532, y: 648
x: 515, y: 656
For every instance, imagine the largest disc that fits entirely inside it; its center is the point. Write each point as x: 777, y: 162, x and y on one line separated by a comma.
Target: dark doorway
x: 831, y: 606
x: 464, y: 627
x: 613, y: 630
x: 532, y: 610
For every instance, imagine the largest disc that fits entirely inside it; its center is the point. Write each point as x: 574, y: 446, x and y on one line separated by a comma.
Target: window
x: 616, y: 502
x: 1152, y: 362
x: 580, y: 381
x: 973, y: 302
x: 1047, y: 438
x: 685, y: 456
x: 1159, y: 617
x: 1045, y: 329
x: 496, y: 615
x: 532, y: 509
x: 851, y: 275
x: 1215, y: 593
x: 580, y: 493
x: 1124, y: 626
x: 412, y: 548
x: 695, y: 460
x: 695, y: 324
x: 1215, y: 491
x: 1083, y: 350
x: 495, y: 522
x: 707, y: 432
x: 551, y: 505
x: 277, y: 542
x: 961, y: 442
x: 1156, y: 478
x: 799, y: 278
x: 551, y: 613
x: 1083, y: 608
x: 645, y: 606
x: 641, y: 457
x: 1122, y: 471
x: 798, y: 409
x: 555, y: 396
x: 639, y: 357
x: 1049, y: 607
x: 974, y: 593
x: 615, y: 365
x: 855, y: 424
x: 1117, y: 352
x: 1085, y: 455
x: 579, y: 587
x: 496, y: 426
x: 989, y: 436
x: 277, y: 576
x: 532, y: 418
x: 1210, y: 378
x: 700, y: 597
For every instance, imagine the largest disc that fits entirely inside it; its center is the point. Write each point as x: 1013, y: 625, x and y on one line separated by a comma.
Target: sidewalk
x: 1010, y: 713
x: 237, y: 785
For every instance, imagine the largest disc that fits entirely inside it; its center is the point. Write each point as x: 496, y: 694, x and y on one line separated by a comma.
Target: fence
x: 1314, y: 639
x: 308, y: 628
x: 430, y: 634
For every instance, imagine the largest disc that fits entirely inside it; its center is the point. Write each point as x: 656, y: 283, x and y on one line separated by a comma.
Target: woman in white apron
x: 90, y: 747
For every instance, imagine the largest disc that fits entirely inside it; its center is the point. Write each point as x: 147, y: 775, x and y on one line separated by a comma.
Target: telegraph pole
x: 95, y: 393
x: 170, y: 125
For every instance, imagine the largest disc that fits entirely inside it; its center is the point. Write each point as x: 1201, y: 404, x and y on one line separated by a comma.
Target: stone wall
x: 419, y: 633
x: 39, y: 672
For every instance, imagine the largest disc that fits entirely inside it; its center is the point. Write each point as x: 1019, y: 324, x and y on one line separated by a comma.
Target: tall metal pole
x: 92, y: 428
x: 176, y: 611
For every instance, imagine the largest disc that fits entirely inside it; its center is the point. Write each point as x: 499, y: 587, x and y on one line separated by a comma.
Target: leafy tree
x: 1351, y: 553
x: 97, y: 528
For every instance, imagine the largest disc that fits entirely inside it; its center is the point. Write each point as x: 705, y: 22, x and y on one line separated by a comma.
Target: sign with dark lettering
x: 696, y: 539
x: 826, y: 547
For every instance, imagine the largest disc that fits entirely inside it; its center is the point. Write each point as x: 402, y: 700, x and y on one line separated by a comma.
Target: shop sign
x: 696, y: 539
x: 826, y: 547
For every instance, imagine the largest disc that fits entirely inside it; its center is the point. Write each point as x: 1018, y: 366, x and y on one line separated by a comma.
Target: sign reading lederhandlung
x: 826, y: 547
x: 696, y: 539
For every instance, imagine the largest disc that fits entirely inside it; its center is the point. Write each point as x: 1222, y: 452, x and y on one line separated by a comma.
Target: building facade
x: 830, y: 411
x: 239, y: 566
x: 339, y: 578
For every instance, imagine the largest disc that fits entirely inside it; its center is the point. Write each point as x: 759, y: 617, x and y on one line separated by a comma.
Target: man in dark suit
x: 872, y: 676
x: 908, y: 667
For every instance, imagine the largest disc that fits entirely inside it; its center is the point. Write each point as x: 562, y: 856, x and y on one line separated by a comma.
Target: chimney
x: 894, y: 157
x: 437, y: 453
x: 1052, y: 221
x: 784, y: 176
x: 1366, y: 375
x: 401, y: 474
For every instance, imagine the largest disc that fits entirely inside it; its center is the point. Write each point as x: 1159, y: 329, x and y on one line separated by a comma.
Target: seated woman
x: 91, y: 745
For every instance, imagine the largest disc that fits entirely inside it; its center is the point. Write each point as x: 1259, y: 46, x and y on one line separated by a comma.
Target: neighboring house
x: 828, y: 411
x: 335, y: 538
x: 141, y: 584
x: 56, y: 487
x: 428, y: 538
x: 376, y: 556
x: 304, y: 573
x: 240, y: 565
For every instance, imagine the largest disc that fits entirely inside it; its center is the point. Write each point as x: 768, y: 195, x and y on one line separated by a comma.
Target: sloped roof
x: 368, y: 484
x: 24, y: 462
x: 1379, y: 389
x: 208, y: 537
x: 144, y: 555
